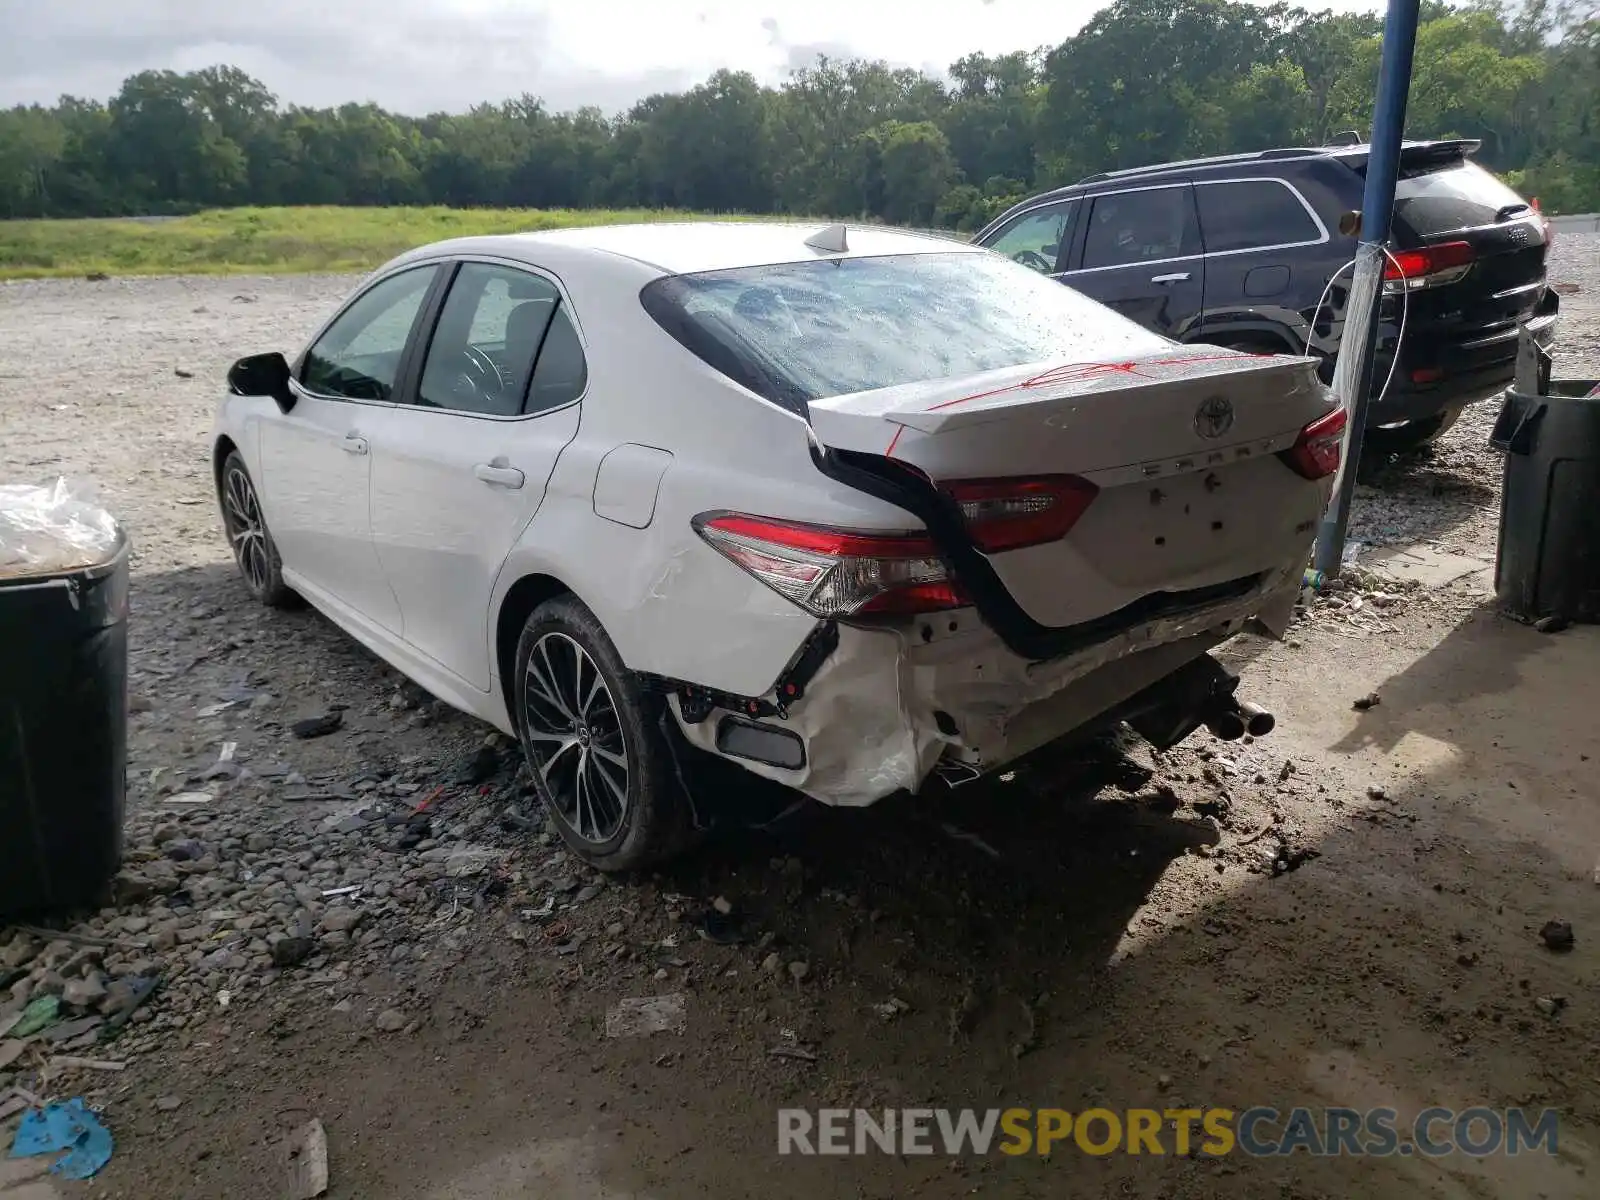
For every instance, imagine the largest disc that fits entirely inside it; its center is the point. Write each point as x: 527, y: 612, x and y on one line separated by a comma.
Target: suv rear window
x: 795, y: 332
x: 1459, y: 195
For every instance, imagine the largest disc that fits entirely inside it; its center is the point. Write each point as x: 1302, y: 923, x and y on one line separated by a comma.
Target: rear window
x: 1454, y: 196
x: 796, y: 332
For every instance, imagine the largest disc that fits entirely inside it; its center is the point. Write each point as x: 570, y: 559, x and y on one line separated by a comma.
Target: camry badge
x: 1214, y: 417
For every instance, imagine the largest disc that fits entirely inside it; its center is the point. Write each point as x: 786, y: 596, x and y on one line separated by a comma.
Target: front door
x: 316, y: 459
x: 460, y: 466
x: 1139, y: 252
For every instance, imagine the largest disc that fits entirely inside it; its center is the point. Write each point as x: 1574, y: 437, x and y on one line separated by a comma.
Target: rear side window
x: 1453, y: 196
x: 1149, y: 225
x: 795, y: 332
x: 562, y: 372
x: 1249, y: 214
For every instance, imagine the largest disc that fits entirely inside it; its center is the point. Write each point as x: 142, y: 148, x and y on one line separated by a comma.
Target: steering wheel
x: 479, y: 378
x: 1032, y: 258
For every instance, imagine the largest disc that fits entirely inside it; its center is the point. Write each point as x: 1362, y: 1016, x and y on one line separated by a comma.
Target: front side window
x: 1034, y: 238
x: 1148, y: 225
x: 481, y: 356
x: 1251, y: 213
x: 795, y: 332
x: 358, y: 357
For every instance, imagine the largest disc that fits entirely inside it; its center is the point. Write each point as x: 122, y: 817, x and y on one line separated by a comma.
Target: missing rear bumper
x: 888, y: 705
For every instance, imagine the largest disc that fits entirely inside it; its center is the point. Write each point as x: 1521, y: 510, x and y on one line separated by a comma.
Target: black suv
x: 1238, y: 251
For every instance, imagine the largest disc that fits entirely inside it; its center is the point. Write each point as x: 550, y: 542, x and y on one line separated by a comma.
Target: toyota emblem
x: 1214, y: 417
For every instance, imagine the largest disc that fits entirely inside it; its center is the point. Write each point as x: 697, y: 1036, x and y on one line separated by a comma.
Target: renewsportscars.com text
x: 1259, y: 1132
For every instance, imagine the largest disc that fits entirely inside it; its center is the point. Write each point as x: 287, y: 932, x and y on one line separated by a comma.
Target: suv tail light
x: 1008, y: 514
x: 1544, y: 221
x: 835, y: 572
x: 1315, y: 453
x: 1409, y: 270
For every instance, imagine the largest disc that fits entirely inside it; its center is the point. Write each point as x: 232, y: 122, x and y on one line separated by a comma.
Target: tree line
x: 1144, y: 81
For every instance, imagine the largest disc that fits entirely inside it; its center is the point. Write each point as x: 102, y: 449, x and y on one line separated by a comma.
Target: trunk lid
x: 1182, y: 446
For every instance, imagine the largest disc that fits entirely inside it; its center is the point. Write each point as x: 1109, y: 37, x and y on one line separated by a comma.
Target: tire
x: 1407, y: 437
x: 254, y: 551
x: 594, y: 740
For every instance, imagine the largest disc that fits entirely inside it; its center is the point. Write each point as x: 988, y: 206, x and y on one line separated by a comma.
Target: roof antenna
x: 829, y: 240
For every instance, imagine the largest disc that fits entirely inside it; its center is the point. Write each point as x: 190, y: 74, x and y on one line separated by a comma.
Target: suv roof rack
x: 1214, y: 160
x: 1341, y: 144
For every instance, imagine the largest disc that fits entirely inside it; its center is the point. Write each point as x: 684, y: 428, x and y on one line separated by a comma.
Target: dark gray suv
x: 1239, y: 251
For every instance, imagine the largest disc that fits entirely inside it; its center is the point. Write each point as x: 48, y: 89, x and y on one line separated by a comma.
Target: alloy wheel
x: 574, y: 737
x: 247, y: 532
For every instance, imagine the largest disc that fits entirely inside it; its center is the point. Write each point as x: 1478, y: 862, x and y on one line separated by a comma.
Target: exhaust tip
x: 1258, y: 722
x: 1229, y: 726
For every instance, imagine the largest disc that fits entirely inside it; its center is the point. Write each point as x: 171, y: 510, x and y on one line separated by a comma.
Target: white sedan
x: 846, y: 506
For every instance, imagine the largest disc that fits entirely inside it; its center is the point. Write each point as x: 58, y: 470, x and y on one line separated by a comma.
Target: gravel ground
x: 1451, y: 496
x: 373, y: 925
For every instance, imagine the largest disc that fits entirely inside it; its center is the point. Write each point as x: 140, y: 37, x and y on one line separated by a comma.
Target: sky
x: 418, y: 56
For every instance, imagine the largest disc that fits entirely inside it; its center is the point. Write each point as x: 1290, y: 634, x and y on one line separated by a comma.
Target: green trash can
x: 63, y: 699
x: 1548, y: 560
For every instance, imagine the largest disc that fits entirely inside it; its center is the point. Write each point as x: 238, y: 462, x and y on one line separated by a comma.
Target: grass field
x: 268, y: 240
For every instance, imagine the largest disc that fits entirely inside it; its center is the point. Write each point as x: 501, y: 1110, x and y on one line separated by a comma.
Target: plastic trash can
x: 1548, y: 560
x: 63, y: 699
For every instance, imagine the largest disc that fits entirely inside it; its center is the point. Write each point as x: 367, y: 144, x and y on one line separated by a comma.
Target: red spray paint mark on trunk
x: 1083, y: 372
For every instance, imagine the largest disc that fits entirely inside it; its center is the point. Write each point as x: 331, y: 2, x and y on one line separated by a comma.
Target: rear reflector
x: 836, y: 572
x: 1315, y: 453
x: 1427, y: 375
x: 1432, y: 265
x: 1008, y: 514
x: 760, y: 743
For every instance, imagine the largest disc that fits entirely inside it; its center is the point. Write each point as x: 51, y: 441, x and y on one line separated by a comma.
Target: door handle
x: 1175, y: 277
x: 353, y: 443
x: 497, y: 474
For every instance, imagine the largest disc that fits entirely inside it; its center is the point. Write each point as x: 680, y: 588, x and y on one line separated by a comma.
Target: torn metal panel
x: 888, y: 704
x: 862, y: 738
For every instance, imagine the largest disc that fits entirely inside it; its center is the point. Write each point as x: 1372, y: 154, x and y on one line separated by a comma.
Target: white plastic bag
x: 53, y: 528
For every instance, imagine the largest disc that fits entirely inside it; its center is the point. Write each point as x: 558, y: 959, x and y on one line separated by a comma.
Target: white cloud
x: 422, y: 55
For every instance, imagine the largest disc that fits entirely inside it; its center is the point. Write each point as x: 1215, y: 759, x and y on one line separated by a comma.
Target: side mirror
x: 263, y: 375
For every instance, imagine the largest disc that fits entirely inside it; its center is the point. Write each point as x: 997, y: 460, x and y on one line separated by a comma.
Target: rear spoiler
x: 1419, y: 156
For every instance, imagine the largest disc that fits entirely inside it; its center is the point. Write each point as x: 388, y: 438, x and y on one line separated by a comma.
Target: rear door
x: 1139, y: 252
x: 459, y: 467
x: 1258, y: 233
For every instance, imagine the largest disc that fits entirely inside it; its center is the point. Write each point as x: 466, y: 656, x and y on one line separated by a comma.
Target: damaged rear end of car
x: 1089, y: 510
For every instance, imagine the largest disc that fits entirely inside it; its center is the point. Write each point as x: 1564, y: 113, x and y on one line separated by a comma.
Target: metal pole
x: 1353, y: 369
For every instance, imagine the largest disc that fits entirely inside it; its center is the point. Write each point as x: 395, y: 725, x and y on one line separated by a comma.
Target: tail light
x: 1544, y: 221
x: 1409, y: 270
x: 1315, y: 453
x: 834, y: 572
x: 1008, y: 514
